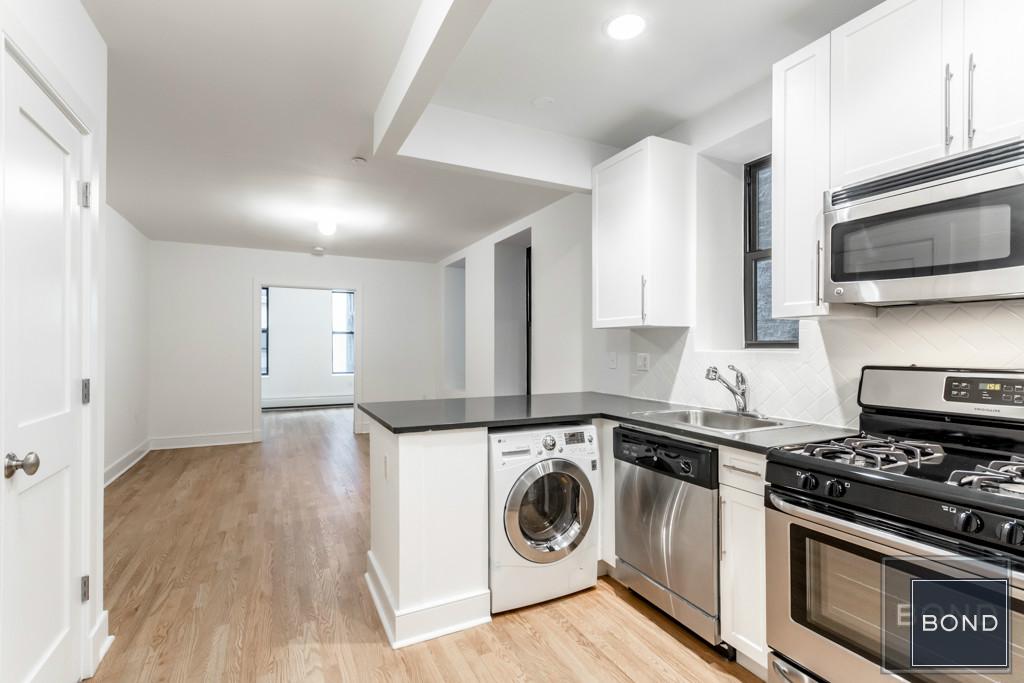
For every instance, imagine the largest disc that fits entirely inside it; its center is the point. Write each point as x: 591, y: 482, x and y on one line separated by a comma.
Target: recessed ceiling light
x: 359, y: 161
x: 318, y: 251
x: 327, y: 228
x: 625, y: 27
x: 543, y: 102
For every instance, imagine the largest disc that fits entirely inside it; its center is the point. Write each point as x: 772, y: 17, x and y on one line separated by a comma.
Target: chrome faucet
x: 738, y: 390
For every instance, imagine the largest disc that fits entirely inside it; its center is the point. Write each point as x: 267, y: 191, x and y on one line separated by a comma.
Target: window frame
x: 751, y: 256
x: 265, y: 291
x: 351, y: 333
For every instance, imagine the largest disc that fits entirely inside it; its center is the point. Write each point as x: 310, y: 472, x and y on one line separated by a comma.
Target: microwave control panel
x: 986, y: 391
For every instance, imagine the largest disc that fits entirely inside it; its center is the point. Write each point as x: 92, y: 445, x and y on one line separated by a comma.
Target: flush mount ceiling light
x: 327, y: 228
x: 625, y: 27
x: 318, y: 251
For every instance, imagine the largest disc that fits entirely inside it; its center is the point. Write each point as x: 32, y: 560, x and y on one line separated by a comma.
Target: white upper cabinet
x: 800, y: 175
x: 892, y: 103
x: 644, y: 236
x: 994, y: 48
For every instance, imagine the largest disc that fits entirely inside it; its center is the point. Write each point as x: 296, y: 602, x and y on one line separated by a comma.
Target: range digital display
x: 988, y: 386
x: 573, y: 438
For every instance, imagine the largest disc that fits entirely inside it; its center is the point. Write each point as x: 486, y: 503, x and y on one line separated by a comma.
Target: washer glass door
x: 549, y: 511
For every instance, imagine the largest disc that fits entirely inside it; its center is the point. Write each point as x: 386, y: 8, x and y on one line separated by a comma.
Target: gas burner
x: 1002, y: 477
x: 878, y: 453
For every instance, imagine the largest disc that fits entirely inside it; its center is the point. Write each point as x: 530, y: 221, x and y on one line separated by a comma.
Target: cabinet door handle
x: 949, y: 135
x: 643, y: 299
x: 817, y: 274
x: 971, y: 66
x: 741, y: 470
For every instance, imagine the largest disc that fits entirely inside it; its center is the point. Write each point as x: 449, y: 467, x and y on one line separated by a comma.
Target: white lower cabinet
x: 742, y: 572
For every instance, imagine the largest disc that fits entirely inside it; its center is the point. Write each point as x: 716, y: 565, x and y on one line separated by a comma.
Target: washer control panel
x: 577, y: 441
x: 984, y: 390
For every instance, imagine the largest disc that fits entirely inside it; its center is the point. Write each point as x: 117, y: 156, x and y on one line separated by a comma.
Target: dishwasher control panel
x: 684, y: 460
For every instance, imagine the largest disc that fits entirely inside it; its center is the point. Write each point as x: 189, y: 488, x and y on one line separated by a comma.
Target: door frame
x: 19, y: 46
x: 360, y: 425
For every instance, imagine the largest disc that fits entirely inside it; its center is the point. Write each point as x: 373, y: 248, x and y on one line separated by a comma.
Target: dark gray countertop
x: 402, y: 417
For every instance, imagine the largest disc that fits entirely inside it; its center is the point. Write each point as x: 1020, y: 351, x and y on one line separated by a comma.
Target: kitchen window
x: 264, y: 331
x: 761, y: 330
x: 343, y: 332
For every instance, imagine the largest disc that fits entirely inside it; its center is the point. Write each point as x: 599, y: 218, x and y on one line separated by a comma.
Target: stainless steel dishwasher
x: 666, y: 526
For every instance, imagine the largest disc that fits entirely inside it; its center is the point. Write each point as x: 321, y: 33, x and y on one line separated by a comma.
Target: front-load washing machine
x: 544, y: 513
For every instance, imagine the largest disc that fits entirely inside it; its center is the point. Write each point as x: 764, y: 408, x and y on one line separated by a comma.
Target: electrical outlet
x: 643, y: 362
x: 613, y: 360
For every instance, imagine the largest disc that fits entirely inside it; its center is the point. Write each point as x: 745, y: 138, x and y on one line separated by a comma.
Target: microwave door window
x: 961, y: 235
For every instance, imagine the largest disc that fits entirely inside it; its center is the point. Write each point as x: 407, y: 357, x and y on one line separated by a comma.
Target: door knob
x: 12, y: 463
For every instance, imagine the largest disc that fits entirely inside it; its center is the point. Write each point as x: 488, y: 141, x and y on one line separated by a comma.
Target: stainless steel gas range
x: 934, y: 487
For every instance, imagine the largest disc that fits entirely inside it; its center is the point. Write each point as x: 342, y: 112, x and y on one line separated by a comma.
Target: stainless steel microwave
x: 951, y: 230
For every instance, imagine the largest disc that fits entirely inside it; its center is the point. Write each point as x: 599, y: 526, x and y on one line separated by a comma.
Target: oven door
x: 825, y: 594
x: 959, y: 240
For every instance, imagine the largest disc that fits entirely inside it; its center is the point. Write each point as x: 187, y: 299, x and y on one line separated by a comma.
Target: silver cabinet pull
x: 12, y: 463
x: 949, y: 135
x: 643, y: 299
x: 817, y: 274
x: 741, y: 470
x: 971, y: 66
x: 721, y: 541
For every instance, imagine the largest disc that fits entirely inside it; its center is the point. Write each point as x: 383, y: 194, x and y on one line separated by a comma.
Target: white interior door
x: 40, y: 302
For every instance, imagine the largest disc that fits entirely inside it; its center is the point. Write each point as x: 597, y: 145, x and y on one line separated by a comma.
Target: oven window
x: 980, y: 232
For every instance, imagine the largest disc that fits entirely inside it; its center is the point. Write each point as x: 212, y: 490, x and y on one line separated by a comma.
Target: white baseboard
x: 305, y: 401
x: 99, y: 643
x: 410, y: 626
x: 125, y: 463
x: 158, y: 443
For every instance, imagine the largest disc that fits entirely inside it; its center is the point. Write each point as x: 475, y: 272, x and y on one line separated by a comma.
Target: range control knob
x: 968, y: 522
x: 1011, y: 532
x: 548, y: 443
x: 834, y: 488
x: 807, y: 481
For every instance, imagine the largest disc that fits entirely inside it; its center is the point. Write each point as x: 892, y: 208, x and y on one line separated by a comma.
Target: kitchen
x: 685, y: 344
x: 894, y: 188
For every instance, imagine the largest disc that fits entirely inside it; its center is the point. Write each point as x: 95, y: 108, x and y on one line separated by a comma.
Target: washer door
x: 549, y: 511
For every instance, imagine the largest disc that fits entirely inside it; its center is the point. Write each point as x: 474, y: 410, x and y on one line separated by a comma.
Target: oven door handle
x: 882, y: 537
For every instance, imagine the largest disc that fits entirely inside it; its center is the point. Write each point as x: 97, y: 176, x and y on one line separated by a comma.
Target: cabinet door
x: 743, y: 572
x: 891, y: 100
x: 621, y: 208
x: 993, y: 46
x: 800, y: 177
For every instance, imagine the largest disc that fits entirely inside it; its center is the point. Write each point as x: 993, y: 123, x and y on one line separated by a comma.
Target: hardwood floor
x: 245, y: 563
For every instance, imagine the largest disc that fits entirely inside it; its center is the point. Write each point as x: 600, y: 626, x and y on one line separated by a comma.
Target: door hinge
x: 85, y: 589
x: 84, y: 194
x: 86, y: 391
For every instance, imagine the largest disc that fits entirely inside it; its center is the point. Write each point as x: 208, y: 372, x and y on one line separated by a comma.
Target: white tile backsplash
x: 818, y: 382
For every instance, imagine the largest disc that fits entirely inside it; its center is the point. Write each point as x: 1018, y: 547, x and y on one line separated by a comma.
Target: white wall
x: 59, y: 40
x: 204, y: 306
x: 564, y: 346
x: 301, y: 363
x: 127, y: 330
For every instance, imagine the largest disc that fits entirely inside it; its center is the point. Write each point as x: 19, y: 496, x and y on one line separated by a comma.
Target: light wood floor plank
x: 245, y: 563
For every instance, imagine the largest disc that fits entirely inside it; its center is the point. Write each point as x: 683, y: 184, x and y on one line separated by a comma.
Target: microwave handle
x: 818, y: 275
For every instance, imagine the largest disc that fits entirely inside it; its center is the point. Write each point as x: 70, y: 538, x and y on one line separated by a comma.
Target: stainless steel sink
x: 719, y: 421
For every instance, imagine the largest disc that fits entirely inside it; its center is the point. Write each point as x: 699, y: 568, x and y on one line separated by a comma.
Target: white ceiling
x: 694, y: 54
x: 233, y: 121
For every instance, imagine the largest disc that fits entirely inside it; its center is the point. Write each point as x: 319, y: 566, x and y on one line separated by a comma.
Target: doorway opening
x: 307, y: 347
x: 512, y: 315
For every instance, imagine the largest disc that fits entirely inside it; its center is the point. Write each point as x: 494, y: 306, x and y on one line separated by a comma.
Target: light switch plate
x: 613, y: 360
x: 643, y: 362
